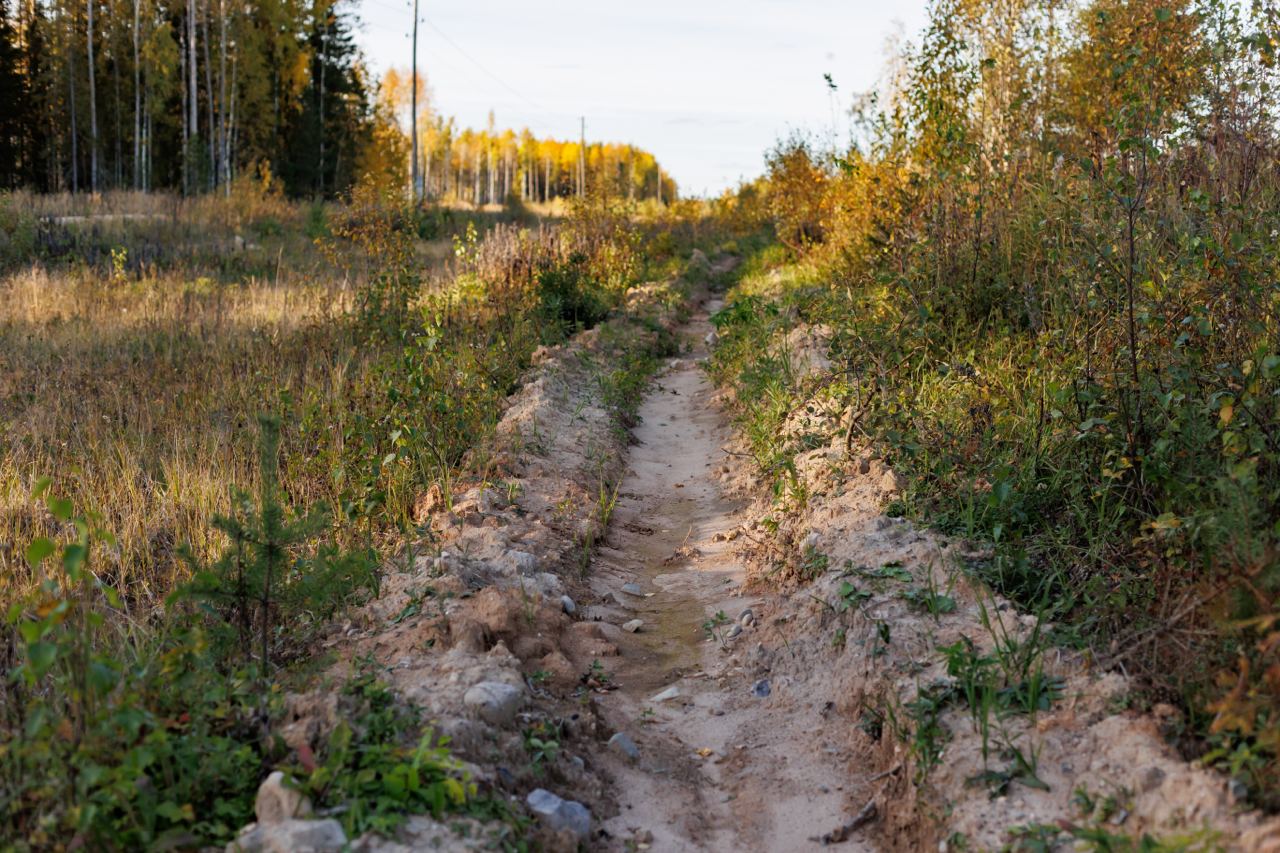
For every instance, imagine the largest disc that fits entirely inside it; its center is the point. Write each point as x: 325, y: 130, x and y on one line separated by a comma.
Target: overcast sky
x: 706, y: 85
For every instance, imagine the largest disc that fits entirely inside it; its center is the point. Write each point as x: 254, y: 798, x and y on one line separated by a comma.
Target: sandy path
x: 720, y: 767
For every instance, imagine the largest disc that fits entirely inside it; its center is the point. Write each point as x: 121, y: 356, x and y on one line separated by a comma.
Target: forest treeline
x: 1049, y: 265
x: 190, y: 94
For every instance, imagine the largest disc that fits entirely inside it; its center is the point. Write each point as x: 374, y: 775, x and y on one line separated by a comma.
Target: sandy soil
x: 791, y: 730
x: 703, y: 696
x: 720, y: 767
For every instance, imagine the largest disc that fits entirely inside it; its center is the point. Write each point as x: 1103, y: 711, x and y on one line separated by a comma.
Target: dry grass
x: 135, y: 385
x: 138, y: 398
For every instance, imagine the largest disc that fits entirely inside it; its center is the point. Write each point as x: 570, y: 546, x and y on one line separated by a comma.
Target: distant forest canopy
x: 188, y: 95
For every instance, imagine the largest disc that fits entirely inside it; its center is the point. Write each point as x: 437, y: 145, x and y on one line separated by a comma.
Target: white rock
x: 671, y: 692
x: 567, y: 605
x: 560, y: 814
x: 622, y: 744
x: 633, y: 626
x: 277, y: 803
x: 809, y: 542
x: 711, y: 339
x: 291, y: 836
x: 494, y: 702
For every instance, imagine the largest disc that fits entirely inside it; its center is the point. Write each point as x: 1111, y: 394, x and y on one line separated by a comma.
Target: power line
x: 478, y: 64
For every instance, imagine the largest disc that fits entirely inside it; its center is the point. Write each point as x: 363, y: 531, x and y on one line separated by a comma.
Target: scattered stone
x: 1152, y: 778
x: 633, y: 626
x: 632, y: 589
x: 567, y: 605
x: 559, y: 814
x: 809, y: 542
x: 494, y: 702
x: 523, y: 562
x: 671, y: 692
x: 747, y: 618
x: 711, y: 339
x: 277, y: 803
x: 733, y: 631
x: 291, y: 836
x: 761, y: 688
x: 890, y: 482
x: 622, y: 744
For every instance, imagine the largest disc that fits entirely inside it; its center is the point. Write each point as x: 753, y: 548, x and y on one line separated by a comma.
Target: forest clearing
x: 372, y: 482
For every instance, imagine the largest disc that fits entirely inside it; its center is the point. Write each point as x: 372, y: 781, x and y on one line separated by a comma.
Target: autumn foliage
x: 1051, y: 263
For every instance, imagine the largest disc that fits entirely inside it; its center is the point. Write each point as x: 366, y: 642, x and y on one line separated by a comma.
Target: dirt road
x: 729, y: 756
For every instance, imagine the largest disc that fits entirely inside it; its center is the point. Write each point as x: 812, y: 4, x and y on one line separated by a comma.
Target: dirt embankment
x: 722, y: 667
x: 477, y: 623
x: 960, y: 724
x: 795, y: 669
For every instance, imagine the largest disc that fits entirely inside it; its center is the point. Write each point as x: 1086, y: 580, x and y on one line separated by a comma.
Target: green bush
x: 124, y: 741
x: 568, y: 300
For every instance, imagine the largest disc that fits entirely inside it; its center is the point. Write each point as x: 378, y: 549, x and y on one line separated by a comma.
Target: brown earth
x: 786, y: 730
x: 845, y: 652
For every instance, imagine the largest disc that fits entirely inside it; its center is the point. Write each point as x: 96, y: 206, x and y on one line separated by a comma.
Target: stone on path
x: 494, y: 701
x: 560, y: 814
x: 291, y: 836
x: 670, y: 693
x: 277, y: 803
x: 622, y: 744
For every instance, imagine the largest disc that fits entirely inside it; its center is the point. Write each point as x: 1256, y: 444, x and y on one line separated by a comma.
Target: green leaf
x: 1033, y: 781
x: 101, y: 677
x: 41, y: 656
x: 38, y: 550
x: 60, y: 507
x: 172, y: 812
x: 32, y: 631
x: 73, y: 558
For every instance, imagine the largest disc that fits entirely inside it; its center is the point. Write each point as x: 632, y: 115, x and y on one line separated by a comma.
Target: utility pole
x: 413, y: 110
x: 582, y: 157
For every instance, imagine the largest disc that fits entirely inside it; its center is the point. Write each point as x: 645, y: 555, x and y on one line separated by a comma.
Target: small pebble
x: 761, y: 688
x: 746, y: 618
x: 633, y: 626
x: 632, y: 589
x: 567, y: 605
x: 733, y: 632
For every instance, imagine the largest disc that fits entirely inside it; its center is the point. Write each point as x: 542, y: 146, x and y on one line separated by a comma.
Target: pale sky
x: 706, y: 85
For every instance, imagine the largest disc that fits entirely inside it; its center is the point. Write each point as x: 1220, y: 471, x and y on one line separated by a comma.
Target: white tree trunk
x: 93, y: 105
